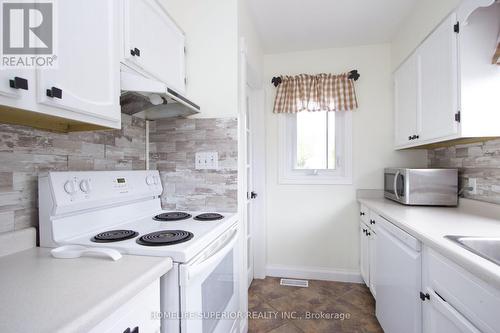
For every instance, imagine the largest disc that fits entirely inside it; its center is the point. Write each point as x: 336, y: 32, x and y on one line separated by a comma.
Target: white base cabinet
x: 136, y: 315
x: 454, y: 300
x: 368, y: 248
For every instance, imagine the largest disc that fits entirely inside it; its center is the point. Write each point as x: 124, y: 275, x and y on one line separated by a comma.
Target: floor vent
x: 294, y: 283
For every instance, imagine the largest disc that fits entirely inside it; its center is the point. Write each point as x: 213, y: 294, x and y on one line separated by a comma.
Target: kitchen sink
x: 486, y: 247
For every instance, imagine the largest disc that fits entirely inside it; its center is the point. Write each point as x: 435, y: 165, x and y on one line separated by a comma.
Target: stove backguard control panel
x: 93, y: 189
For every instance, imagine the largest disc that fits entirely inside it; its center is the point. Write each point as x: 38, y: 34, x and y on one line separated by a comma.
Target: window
x: 315, y: 148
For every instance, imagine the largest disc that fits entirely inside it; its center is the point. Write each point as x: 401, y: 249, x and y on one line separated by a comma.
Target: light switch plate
x: 207, y: 161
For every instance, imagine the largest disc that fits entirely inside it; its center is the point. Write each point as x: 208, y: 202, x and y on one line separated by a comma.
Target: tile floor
x: 345, y: 307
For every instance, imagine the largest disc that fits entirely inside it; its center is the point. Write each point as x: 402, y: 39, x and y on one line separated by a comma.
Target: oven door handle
x: 396, y: 175
x: 191, y: 271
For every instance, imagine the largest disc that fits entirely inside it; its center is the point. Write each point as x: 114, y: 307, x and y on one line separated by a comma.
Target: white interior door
x: 251, y: 194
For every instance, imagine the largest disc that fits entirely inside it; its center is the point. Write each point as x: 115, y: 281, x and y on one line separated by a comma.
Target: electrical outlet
x: 473, y: 185
x: 207, y: 161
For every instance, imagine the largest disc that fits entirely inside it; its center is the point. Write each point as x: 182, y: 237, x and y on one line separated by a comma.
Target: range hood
x: 151, y: 99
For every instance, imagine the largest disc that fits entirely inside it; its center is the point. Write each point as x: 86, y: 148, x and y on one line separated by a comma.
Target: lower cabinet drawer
x: 472, y: 298
x: 136, y: 315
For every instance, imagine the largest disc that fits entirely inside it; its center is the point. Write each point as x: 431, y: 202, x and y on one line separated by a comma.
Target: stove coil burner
x: 172, y: 216
x: 209, y: 217
x: 114, y: 236
x: 165, y: 237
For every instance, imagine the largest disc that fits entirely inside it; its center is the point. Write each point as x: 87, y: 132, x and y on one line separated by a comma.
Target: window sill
x: 314, y: 180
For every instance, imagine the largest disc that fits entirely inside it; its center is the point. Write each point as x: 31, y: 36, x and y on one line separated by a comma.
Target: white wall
x: 211, y: 29
x: 315, y: 226
x: 422, y: 20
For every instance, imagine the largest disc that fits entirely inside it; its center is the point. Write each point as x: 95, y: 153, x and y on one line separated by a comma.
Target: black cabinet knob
x: 135, y: 330
x: 135, y: 52
x: 364, y: 230
x: 372, y: 221
x: 416, y: 136
x: 409, y: 138
x: 423, y: 296
x: 19, y: 83
x: 368, y: 233
x: 362, y: 213
x: 253, y: 195
x: 54, y: 92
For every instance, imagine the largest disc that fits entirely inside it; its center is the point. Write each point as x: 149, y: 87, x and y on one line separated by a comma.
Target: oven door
x: 209, y: 287
x: 394, y: 184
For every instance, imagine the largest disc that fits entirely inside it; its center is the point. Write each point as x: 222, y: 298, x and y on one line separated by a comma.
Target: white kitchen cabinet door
x: 438, y: 71
x: 406, y: 101
x: 364, y: 264
x: 372, y: 244
x: 439, y: 316
x: 154, y: 43
x: 87, y: 77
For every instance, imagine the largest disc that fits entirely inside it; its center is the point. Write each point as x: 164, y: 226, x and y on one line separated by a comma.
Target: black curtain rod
x: 353, y: 75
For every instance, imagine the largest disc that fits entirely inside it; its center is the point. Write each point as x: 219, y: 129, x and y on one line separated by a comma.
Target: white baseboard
x: 313, y: 273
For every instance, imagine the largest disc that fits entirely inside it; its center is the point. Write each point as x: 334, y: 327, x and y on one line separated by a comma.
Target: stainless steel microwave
x: 422, y: 187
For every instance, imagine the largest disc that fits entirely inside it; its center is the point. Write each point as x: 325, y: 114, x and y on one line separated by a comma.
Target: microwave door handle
x: 192, y: 271
x: 396, y: 175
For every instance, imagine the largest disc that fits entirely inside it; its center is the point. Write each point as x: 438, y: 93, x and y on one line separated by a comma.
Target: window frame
x: 341, y: 175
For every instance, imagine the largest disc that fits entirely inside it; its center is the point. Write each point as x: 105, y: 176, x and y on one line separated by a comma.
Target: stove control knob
x: 150, y: 180
x: 85, y: 186
x: 70, y: 187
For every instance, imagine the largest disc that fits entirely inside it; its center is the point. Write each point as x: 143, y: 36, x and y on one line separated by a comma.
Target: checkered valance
x: 321, y: 92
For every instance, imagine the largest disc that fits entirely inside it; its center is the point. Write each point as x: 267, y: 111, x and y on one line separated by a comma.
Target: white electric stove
x: 121, y: 210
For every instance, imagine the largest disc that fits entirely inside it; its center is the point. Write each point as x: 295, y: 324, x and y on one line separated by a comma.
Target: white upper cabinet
x: 86, y: 79
x: 438, y: 70
x: 448, y: 88
x: 82, y: 90
x: 153, y: 43
x: 406, y: 102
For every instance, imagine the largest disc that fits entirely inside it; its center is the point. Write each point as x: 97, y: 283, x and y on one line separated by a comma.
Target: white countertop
x: 39, y: 293
x: 431, y: 224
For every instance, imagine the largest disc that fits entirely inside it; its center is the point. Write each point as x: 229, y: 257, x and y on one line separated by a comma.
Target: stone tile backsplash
x: 475, y: 160
x: 173, y: 144
x: 25, y: 152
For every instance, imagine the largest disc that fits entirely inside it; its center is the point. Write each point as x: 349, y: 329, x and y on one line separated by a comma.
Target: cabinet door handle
x: 135, y: 330
x: 54, y: 92
x: 19, y: 83
x: 135, y: 52
x: 423, y: 296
